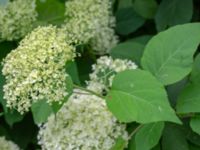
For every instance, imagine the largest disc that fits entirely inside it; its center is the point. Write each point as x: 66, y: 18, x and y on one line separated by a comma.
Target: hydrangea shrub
x: 99, y: 75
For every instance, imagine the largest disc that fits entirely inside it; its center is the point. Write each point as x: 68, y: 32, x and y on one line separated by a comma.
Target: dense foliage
x: 99, y: 75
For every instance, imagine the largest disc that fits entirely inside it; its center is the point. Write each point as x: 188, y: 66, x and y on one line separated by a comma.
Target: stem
x: 135, y: 131
x: 186, y: 115
x: 89, y: 91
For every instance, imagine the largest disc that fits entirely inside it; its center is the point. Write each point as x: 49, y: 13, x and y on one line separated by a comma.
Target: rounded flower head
x: 7, y: 145
x: 36, y: 69
x: 16, y: 19
x: 83, y: 123
x: 91, y: 22
x: 104, y: 71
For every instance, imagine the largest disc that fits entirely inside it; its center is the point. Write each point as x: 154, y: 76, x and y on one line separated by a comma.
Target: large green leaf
x: 124, y: 4
x: 193, y: 137
x: 12, y: 117
x: 128, y: 21
x: 145, y: 8
x: 23, y: 133
x: 195, y: 124
x: 189, y: 99
x: 194, y: 147
x: 131, y: 49
x: 148, y: 136
x: 157, y: 147
x: 72, y: 70
x: 195, y: 74
x: 134, y: 91
x: 169, y: 54
x: 120, y: 144
x: 41, y: 110
x: 128, y: 50
x: 173, y: 12
x: 50, y: 11
x: 144, y: 39
x: 174, y: 138
x: 174, y: 90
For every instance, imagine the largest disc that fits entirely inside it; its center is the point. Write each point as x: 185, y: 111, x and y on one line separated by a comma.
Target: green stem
x: 186, y: 115
x: 135, y: 131
x: 89, y: 91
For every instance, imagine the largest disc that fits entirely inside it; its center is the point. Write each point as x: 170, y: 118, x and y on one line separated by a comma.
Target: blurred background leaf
x: 50, y: 11
x: 173, y: 12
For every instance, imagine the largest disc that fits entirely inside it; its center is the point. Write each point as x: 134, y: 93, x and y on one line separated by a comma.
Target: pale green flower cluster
x: 83, y: 123
x: 35, y: 70
x: 91, y: 21
x: 105, y: 70
x: 16, y: 19
x: 7, y: 145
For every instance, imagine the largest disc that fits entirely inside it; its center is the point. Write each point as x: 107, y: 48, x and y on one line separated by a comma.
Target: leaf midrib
x: 168, y: 59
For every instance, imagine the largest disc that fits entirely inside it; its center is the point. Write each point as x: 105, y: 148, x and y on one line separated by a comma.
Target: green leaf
x: 132, y: 49
x: 5, y: 48
x: 195, y: 74
x: 124, y: 4
x: 174, y: 138
x: 174, y: 90
x: 145, y: 8
x: 120, y: 144
x: 168, y: 57
x: 157, y: 147
x: 144, y: 39
x: 194, y: 147
x: 195, y: 124
x: 12, y: 117
x: 173, y: 12
x: 50, y: 11
x: 41, y: 111
x: 69, y: 84
x: 56, y: 105
x: 189, y: 99
x: 128, y: 21
x: 3, y: 131
x: 128, y: 99
x: 148, y: 136
x: 72, y: 70
x: 128, y: 50
x: 84, y: 64
x: 2, y: 82
x: 193, y: 137
x: 23, y: 133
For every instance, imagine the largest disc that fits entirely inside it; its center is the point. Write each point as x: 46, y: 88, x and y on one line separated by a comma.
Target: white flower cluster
x: 35, y: 70
x: 83, y: 123
x: 104, y: 40
x: 7, y: 145
x: 104, y: 71
x: 91, y: 21
x: 16, y: 19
